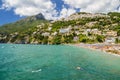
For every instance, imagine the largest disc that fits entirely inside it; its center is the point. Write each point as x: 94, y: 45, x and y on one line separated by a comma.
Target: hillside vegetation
x: 78, y: 28
x: 23, y: 25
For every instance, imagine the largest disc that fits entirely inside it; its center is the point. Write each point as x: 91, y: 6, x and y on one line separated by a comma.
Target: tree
x: 45, y: 40
x: 83, y: 38
x: 100, y: 38
x: 57, y: 40
x: 118, y: 32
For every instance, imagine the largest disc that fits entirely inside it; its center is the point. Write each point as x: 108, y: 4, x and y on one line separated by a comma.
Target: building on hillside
x: 34, y: 33
x: 49, y: 28
x: 86, y: 31
x: 96, y: 31
x: 45, y: 34
x: 110, y: 40
x: 39, y: 26
x: 76, y: 27
x: 77, y: 32
x: 65, y: 30
x: 90, y: 24
x: 76, y: 38
x: 111, y: 33
x: 55, y: 33
x: 118, y: 37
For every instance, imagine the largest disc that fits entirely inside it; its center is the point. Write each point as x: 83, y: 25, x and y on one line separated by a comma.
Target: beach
x: 107, y: 48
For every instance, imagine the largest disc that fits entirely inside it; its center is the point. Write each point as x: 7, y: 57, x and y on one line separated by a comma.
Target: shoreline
x: 106, y: 48
x: 100, y: 47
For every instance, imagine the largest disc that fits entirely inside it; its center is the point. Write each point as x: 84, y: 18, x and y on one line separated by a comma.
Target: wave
x: 39, y: 70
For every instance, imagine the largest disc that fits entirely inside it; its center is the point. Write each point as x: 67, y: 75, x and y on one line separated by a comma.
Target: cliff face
x: 79, y: 27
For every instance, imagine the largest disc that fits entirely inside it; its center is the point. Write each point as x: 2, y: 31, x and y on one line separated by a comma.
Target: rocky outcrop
x: 85, y: 15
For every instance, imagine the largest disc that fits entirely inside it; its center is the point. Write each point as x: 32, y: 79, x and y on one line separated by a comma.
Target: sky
x: 13, y: 10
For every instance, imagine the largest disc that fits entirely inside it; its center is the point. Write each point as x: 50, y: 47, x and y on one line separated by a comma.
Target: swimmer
x: 78, y: 68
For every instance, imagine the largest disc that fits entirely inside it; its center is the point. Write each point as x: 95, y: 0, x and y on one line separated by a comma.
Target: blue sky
x: 13, y: 10
x: 7, y: 16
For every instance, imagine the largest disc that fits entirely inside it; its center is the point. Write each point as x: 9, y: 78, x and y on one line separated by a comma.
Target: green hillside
x: 77, y: 28
x: 23, y: 25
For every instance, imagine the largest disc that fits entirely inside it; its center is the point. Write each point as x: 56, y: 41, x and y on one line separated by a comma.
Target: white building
x: 66, y: 30
x: 55, y: 33
x: 110, y: 40
x: 45, y: 34
x: 49, y: 28
x: 75, y: 38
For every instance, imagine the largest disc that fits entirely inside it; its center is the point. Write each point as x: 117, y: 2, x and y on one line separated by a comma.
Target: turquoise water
x: 52, y: 62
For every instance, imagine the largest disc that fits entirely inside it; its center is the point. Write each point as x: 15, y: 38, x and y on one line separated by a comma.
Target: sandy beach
x: 113, y: 49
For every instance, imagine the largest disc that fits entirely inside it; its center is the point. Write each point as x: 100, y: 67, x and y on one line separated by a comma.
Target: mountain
x: 77, y: 28
x: 34, y: 18
x: 23, y: 24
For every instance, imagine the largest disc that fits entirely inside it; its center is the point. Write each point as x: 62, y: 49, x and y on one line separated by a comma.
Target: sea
x: 56, y: 62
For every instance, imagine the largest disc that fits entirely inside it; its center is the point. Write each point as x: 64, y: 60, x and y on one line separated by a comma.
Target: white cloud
x: 31, y: 7
x: 66, y: 12
x: 47, y: 8
x: 94, y: 5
